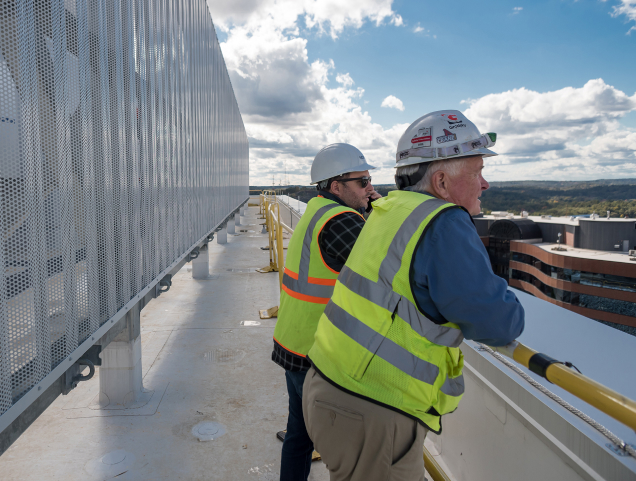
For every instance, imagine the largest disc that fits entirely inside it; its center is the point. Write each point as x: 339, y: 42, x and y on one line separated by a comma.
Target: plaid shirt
x: 336, y: 241
x: 338, y: 238
x: 288, y: 360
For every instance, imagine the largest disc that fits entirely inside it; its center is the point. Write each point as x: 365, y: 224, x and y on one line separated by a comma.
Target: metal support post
x: 221, y: 236
x: 200, y: 265
x: 120, y: 381
x: 237, y: 219
x: 230, y: 225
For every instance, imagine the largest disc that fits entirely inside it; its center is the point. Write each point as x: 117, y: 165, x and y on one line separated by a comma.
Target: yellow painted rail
x: 270, y: 209
x: 601, y: 397
x: 433, y: 468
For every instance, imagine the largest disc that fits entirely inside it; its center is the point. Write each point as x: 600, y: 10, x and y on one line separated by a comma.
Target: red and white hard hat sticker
x: 423, y: 138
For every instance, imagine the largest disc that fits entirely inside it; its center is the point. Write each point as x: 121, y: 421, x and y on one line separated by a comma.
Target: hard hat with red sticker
x: 441, y: 135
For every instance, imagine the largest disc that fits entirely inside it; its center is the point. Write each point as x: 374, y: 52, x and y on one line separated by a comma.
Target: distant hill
x: 537, y: 197
x: 563, y: 198
x: 564, y: 184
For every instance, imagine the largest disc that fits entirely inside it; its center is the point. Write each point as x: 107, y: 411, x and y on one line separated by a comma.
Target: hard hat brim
x: 346, y: 170
x: 424, y: 160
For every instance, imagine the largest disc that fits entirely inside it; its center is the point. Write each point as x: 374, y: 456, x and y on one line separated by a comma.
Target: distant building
x: 582, y: 264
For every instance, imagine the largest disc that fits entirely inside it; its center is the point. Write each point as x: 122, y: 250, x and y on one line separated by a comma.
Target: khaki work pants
x: 359, y: 440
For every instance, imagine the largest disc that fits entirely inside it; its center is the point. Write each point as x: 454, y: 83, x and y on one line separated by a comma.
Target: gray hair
x: 452, y: 167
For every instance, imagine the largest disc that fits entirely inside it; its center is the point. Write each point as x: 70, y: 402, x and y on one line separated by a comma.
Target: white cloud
x: 627, y: 8
x: 345, y: 80
x: 571, y: 133
x: 392, y: 102
x: 289, y: 111
x: 328, y: 16
x: 419, y: 29
x: 517, y: 10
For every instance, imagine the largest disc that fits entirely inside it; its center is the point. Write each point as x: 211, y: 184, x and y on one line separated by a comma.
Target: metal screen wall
x: 121, y: 146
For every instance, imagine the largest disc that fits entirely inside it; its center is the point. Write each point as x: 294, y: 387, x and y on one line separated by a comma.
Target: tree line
x: 557, y: 198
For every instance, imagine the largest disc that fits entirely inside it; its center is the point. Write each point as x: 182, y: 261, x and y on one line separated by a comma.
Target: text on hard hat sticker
x: 447, y: 137
x: 423, y: 137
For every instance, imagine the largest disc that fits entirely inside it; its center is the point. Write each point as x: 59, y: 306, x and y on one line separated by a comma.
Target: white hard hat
x: 335, y: 160
x: 445, y: 134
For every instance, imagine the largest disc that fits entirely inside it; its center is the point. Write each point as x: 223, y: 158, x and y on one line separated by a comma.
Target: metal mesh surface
x: 121, y: 145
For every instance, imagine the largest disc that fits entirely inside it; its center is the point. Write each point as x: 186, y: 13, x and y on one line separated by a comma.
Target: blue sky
x: 556, y: 79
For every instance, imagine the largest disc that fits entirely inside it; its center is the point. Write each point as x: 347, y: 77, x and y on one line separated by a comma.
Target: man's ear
x: 335, y: 187
x: 439, y: 184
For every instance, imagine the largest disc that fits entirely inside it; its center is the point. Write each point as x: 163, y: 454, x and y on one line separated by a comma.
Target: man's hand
x: 373, y: 195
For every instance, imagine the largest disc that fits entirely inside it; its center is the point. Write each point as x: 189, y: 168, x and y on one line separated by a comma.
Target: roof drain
x: 617, y: 445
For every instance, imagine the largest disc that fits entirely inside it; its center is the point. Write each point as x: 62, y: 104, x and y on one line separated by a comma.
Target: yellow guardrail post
x: 271, y: 232
x: 269, y: 199
x: 275, y: 246
x: 601, y: 397
x: 280, y: 261
x: 433, y: 468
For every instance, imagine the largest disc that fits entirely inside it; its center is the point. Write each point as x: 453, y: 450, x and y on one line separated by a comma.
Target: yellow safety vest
x: 372, y: 339
x: 307, y: 281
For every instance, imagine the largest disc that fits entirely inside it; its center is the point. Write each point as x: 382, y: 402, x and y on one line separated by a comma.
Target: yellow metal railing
x: 601, y: 397
x: 270, y: 209
x: 433, y: 468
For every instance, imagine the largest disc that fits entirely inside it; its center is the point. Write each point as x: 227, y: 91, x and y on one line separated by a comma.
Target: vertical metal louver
x: 121, y: 146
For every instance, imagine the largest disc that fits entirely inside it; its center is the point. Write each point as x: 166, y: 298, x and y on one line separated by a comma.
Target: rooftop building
x: 581, y: 264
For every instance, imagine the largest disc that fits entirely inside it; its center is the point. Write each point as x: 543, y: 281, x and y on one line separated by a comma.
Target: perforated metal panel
x: 121, y: 145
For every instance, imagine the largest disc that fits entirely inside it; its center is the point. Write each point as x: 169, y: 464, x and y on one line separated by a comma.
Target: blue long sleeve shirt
x: 452, y: 280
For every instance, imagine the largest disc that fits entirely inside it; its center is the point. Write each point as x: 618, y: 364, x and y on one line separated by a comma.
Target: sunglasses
x: 364, y: 181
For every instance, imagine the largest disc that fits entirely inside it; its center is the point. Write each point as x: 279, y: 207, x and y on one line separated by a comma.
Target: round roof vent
x: 514, y: 229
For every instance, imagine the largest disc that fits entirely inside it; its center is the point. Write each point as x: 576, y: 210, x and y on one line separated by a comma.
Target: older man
x: 386, y: 363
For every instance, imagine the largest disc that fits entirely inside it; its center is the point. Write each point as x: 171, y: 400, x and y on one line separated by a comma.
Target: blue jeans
x: 295, y: 461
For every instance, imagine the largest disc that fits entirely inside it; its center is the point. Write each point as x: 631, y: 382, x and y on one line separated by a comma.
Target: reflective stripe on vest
x: 389, y: 299
x: 372, y: 338
x: 320, y: 289
x: 382, y: 294
x: 381, y: 346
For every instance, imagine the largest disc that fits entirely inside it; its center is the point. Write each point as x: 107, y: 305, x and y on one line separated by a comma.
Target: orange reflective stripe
x: 304, y: 297
x: 322, y: 282
x: 287, y: 349
x: 312, y: 280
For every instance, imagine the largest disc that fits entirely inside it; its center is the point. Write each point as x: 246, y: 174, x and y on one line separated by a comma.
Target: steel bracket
x: 73, y: 375
x: 93, y: 354
x: 164, y: 285
x: 620, y: 450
